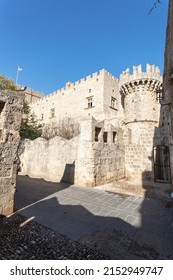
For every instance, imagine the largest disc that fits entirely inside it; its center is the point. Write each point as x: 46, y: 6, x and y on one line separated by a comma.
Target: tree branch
x: 154, y: 6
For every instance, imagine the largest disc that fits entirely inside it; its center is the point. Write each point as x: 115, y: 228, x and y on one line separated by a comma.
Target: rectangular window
x: 97, y: 132
x: 105, y: 137
x: 52, y: 111
x: 90, y: 102
x: 114, y: 136
x: 113, y: 102
x: 122, y: 101
x: 42, y: 117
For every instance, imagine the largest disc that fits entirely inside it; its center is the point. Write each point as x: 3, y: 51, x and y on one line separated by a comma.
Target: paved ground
x: 23, y: 239
x: 116, y: 225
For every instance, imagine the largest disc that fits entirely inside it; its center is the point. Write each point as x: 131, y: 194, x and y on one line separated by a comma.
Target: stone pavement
x: 117, y: 225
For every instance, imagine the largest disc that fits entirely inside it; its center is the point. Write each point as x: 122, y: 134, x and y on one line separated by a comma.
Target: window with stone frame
x: 52, y: 113
x: 42, y: 117
x: 97, y: 133
x: 105, y: 137
x: 90, y: 102
x: 114, y: 134
x: 113, y: 102
x: 123, y: 101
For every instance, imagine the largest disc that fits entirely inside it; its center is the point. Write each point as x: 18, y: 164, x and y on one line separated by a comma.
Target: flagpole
x: 17, y: 75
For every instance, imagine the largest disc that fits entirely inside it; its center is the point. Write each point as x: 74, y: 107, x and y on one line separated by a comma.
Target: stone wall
x: 139, y: 91
x: 11, y: 105
x: 141, y: 118
x: 32, y: 95
x: 139, y: 144
x: 167, y: 110
x: 89, y: 96
x: 119, y: 121
x: 52, y: 160
x: 88, y: 159
x: 100, y: 153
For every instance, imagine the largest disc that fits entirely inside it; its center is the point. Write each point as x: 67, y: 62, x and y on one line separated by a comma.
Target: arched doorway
x: 162, y: 164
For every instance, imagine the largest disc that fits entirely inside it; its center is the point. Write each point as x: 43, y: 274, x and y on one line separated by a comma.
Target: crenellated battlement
x: 96, y: 75
x: 34, y: 92
x: 150, y: 80
x: 31, y: 91
x: 73, y: 86
x: 152, y: 72
x: 31, y: 95
x: 118, y: 120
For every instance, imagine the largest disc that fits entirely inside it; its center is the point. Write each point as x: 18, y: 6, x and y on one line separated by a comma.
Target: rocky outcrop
x: 11, y: 105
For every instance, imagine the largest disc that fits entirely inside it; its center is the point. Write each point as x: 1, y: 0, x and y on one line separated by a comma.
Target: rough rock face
x: 11, y: 105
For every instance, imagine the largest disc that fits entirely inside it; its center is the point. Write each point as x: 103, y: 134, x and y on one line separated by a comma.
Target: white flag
x: 19, y: 68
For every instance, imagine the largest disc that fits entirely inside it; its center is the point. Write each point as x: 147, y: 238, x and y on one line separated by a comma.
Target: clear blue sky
x: 56, y: 41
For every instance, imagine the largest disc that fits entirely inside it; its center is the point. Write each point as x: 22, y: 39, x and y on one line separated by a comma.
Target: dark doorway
x: 162, y: 172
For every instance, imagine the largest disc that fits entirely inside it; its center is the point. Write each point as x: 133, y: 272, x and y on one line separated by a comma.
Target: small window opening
x: 2, y: 104
x: 129, y: 136
x: 90, y: 102
x: 42, y: 117
x: 52, y: 112
x: 114, y: 136
x: 122, y: 101
x: 97, y: 132
x: 105, y: 137
x: 113, y: 102
x: 90, y: 90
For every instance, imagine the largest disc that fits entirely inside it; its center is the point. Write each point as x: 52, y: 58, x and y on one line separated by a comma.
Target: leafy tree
x: 29, y: 129
x: 6, y: 83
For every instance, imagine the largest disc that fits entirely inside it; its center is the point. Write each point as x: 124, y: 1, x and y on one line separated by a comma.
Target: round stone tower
x: 141, y: 118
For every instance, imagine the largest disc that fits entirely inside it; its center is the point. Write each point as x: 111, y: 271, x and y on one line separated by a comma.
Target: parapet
x: 152, y: 72
x: 96, y: 75
x: 73, y: 86
x: 34, y: 92
x: 31, y: 95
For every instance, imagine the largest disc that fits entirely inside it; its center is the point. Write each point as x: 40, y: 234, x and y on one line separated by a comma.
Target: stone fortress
x: 119, y: 131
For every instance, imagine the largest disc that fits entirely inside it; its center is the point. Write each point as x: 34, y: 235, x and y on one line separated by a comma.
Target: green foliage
x: 26, y: 109
x: 6, y: 83
x: 29, y: 129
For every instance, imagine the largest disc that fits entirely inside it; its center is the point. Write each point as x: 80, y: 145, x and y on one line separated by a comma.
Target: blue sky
x: 56, y: 41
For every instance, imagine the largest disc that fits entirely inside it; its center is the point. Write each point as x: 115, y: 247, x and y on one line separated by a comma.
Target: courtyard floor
x: 62, y: 221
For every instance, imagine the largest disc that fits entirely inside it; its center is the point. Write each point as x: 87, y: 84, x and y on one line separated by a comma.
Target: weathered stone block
x: 10, y: 121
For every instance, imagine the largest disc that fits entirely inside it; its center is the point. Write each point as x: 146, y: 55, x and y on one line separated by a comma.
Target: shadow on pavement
x: 113, y: 236
x: 29, y: 190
